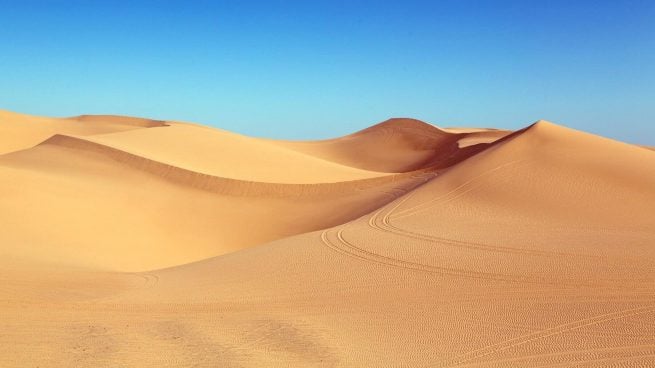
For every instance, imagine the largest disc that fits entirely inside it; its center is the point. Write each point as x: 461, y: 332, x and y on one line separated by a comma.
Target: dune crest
x: 454, y: 247
x: 206, y: 182
x: 120, y: 120
x: 220, y: 153
x: 20, y: 131
x: 394, y: 145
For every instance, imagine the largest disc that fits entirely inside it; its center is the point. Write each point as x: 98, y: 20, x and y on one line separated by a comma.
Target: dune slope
x: 98, y: 206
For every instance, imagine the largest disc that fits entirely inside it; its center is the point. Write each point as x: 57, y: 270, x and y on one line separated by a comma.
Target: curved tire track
x: 542, y: 334
x: 347, y: 248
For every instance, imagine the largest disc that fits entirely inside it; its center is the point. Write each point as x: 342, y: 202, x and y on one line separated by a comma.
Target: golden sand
x: 142, y: 243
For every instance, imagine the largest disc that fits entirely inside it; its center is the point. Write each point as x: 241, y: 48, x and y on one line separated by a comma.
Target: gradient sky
x: 316, y: 69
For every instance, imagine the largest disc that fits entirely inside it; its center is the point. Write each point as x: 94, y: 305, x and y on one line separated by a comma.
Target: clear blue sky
x: 314, y: 69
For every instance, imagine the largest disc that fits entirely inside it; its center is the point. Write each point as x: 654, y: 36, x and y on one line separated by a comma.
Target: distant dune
x: 19, y: 131
x: 136, y: 242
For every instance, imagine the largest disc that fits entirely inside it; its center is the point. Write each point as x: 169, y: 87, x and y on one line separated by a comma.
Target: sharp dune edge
x: 145, y: 243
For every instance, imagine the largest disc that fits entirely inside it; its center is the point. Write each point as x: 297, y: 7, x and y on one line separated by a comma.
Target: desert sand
x: 129, y: 242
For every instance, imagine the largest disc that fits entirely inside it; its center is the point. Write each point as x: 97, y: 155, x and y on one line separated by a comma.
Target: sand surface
x: 128, y: 242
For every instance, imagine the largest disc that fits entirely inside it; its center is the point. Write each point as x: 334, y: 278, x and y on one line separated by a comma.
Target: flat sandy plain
x: 129, y: 242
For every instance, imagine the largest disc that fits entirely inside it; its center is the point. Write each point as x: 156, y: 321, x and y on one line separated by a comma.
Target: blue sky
x: 316, y: 69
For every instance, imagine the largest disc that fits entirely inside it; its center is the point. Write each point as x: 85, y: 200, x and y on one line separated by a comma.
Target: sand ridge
x: 20, y: 131
x: 221, y: 153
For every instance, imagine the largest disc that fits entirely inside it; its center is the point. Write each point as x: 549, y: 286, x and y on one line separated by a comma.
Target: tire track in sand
x: 542, y: 334
x: 346, y: 248
x: 456, y: 191
x: 462, y: 189
x: 638, y: 351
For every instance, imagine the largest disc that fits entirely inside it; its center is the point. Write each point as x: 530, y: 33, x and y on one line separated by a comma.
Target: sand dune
x: 479, y: 136
x: 455, y: 247
x: 119, y: 120
x: 395, y: 145
x: 221, y: 153
x: 142, y: 210
x: 19, y: 131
